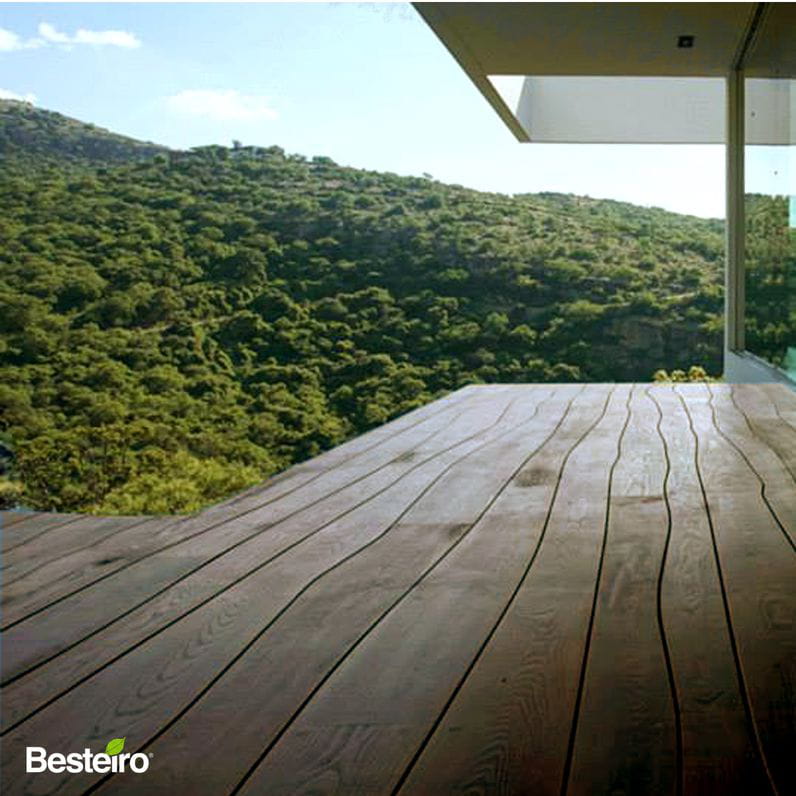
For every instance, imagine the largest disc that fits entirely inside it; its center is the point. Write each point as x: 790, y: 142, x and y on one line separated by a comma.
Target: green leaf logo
x: 114, y: 746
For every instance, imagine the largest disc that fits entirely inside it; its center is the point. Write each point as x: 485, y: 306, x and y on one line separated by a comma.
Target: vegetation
x: 177, y: 327
x: 27, y: 131
x: 770, y: 260
x: 694, y: 374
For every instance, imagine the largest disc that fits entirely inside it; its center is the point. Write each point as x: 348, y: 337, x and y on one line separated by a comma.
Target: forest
x: 770, y: 290
x: 178, y: 325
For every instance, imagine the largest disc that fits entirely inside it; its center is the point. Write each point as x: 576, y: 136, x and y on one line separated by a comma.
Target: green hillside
x: 175, y: 328
x: 27, y: 131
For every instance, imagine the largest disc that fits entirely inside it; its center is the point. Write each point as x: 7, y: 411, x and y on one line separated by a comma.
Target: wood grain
x: 488, y: 732
x: 761, y: 410
x: 30, y: 526
x: 9, y: 518
x: 82, y: 534
x: 303, y: 475
x: 209, y: 579
x: 519, y: 589
x: 174, y: 541
x: 625, y: 678
x: 294, y: 657
x: 216, y: 560
x: 758, y: 569
x: 773, y: 473
x: 783, y: 399
x: 147, y: 686
x: 717, y: 748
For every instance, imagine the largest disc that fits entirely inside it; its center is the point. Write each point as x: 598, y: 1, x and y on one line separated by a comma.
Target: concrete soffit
x: 612, y: 72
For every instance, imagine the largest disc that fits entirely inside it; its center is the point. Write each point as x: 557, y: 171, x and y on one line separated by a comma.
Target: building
x: 522, y: 589
x: 673, y: 73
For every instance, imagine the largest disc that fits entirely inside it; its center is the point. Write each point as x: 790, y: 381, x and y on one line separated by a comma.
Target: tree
x: 176, y: 324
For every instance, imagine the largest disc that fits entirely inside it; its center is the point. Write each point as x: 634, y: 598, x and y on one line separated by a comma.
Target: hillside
x: 173, y: 329
x: 26, y: 131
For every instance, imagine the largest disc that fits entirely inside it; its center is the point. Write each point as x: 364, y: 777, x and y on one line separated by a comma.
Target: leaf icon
x: 115, y: 746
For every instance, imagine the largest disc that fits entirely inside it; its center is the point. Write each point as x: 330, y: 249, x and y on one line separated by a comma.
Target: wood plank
x: 136, y: 548
x: 304, y: 474
x: 297, y: 651
x: 274, y: 489
x: 146, y: 687
x: 784, y: 400
x: 758, y: 569
x: 766, y: 422
x: 76, y: 569
x: 717, y: 750
x: 363, y: 729
x: 76, y: 536
x: 131, y: 589
x: 430, y: 636
x: 777, y: 479
x: 9, y: 517
x: 624, y: 737
x: 368, y: 440
x: 211, y: 577
x: 278, y: 487
x: 33, y: 525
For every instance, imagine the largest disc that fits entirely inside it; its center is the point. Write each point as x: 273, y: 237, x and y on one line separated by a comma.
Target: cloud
x: 98, y: 38
x: 10, y: 41
x: 12, y: 95
x: 49, y: 33
x: 222, y: 105
x: 112, y: 38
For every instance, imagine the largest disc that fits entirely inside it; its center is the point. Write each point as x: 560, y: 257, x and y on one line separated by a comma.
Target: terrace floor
x: 531, y: 589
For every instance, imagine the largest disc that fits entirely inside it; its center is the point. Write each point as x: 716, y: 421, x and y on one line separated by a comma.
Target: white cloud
x: 112, y: 38
x: 222, y: 105
x: 49, y: 33
x: 12, y: 95
x: 10, y: 41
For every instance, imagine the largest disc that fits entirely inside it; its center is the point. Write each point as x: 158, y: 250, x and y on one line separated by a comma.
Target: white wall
x: 650, y: 110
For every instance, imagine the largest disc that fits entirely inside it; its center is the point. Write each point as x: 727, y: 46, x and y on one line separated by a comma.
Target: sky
x: 366, y: 84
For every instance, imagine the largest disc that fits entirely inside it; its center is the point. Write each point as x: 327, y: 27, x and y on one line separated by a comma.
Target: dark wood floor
x: 516, y: 589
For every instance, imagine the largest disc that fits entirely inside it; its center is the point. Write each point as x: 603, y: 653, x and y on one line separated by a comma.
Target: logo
x: 112, y: 761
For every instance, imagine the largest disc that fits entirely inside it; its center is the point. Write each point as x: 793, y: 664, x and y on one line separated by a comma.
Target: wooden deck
x: 516, y: 589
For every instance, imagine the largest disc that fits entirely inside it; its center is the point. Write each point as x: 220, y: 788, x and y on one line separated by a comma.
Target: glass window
x: 770, y: 196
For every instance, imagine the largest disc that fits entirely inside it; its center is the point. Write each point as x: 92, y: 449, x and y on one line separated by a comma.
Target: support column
x: 734, y: 273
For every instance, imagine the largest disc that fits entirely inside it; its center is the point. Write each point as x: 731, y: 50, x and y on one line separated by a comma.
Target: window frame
x: 740, y: 364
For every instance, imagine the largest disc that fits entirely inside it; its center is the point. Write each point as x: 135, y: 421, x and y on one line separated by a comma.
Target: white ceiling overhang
x: 611, y: 72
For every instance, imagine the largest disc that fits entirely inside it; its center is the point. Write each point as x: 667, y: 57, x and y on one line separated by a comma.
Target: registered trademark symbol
x: 151, y: 754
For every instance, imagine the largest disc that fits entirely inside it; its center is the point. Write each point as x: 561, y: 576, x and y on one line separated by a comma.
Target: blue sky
x: 366, y: 84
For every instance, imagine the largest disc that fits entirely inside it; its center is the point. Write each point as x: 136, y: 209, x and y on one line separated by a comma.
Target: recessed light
x: 685, y: 41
